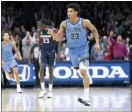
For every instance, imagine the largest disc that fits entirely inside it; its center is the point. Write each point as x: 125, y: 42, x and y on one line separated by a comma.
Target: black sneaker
x: 85, y: 102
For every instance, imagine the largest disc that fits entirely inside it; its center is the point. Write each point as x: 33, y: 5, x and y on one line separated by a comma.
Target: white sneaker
x: 49, y: 94
x: 42, y: 93
x: 19, y: 90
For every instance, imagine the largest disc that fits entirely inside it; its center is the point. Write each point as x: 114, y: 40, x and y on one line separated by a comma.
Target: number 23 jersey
x: 46, y: 40
x: 76, y: 34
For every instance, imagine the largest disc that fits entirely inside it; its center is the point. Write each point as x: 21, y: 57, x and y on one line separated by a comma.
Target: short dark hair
x: 75, y: 6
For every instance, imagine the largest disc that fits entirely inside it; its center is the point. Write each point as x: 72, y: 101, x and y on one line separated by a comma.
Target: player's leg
x: 42, y: 67
x: 78, y: 58
x: 49, y: 95
x: 83, y: 67
x: 9, y: 75
x: 43, y: 59
x: 51, y: 59
x: 8, y: 71
x: 14, y: 67
x: 15, y: 72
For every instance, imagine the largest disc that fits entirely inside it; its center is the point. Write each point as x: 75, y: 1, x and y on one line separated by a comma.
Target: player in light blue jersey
x: 75, y: 29
x: 9, y: 63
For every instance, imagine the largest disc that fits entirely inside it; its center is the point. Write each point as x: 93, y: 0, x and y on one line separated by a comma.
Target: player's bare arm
x: 57, y: 36
x: 17, y: 51
x: 90, y: 26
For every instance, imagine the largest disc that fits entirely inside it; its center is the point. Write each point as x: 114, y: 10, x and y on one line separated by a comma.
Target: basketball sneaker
x: 49, y: 94
x: 84, y: 101
x: 41, y: 94
x: 19, y: 90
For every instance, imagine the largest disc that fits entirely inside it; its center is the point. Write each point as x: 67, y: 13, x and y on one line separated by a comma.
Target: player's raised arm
x: 91, y: 27
x: 57, y: 36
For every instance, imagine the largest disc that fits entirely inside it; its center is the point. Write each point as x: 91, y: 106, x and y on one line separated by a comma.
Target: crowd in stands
x: 113, y: 21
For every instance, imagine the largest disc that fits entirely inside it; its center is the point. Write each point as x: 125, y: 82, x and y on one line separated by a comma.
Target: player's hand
x: 97, y: 47
x: 49, y: 31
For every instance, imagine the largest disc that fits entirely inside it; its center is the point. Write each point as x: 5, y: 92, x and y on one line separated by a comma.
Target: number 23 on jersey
x: 75, y: 36
x: 46, y: 40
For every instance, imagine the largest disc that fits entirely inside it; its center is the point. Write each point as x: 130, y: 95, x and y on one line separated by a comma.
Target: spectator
x: 34, y: 37
x: 35, y: 52
x: 62, y: 52
x: 98, y: 55
x: 110, y: 50
x: 127, y: 44
x: 107, y: 55
x: 23, y: 32
x: 131, y: 52
x: 62, y: 56
x: 91, y: 42
x: 26, y: 45
x: 18, y: 41
x: 119, y: 48
x: 67, y: 54
x: 33, y: 31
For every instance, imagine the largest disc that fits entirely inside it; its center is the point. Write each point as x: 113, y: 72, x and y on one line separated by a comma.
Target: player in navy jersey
x: 48, y: 50
x: 9, y: 63
x: 75, y: 28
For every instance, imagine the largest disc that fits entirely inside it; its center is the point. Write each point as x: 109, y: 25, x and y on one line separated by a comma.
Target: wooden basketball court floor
x: 102, y: 99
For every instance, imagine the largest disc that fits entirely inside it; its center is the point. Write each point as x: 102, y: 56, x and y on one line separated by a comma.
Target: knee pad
x: 84, y: 64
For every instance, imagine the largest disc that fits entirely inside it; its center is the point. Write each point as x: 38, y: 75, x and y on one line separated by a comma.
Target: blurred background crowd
x: 113, y: 21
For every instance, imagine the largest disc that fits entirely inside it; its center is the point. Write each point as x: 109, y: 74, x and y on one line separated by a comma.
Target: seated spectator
x: 98, y: 55
x: 107, y: 55
x: 119, y: 48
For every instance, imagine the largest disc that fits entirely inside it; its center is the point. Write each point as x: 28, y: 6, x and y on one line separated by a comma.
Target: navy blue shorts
x: 47, y: 57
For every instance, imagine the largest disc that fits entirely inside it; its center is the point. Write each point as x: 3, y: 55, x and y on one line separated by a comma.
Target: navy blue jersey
x: 46, y: 40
